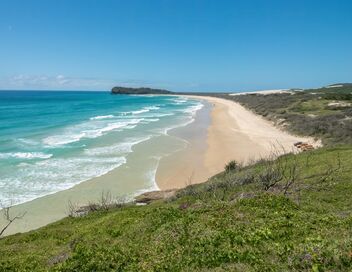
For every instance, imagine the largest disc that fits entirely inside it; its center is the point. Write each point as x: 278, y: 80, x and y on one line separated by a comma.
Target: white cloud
x: 59, y: 82
x: 62, y: 82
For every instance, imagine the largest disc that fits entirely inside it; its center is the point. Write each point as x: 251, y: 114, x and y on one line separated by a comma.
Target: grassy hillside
x: 292, y: 214
x: 324, y: 113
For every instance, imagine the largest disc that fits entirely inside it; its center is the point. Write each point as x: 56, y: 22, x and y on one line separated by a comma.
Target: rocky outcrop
x: 149, y: 197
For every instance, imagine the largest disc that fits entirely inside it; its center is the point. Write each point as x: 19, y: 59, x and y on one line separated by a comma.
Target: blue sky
x: 183, y: 45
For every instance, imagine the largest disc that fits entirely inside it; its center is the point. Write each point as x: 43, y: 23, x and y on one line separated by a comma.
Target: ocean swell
x: 87, y: 130
x: 25, y: 155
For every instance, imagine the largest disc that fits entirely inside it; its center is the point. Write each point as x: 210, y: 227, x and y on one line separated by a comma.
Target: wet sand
x: 186, y: 166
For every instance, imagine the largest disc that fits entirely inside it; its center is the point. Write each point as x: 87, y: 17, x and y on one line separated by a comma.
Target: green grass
x: 316, y: 107
x: 230, y: 223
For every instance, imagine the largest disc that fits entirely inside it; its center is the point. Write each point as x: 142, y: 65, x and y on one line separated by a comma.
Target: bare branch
x: 190, y: 179
x: 10, y: 219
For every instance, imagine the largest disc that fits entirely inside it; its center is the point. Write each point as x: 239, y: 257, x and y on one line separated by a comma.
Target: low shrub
x: 231, y: 166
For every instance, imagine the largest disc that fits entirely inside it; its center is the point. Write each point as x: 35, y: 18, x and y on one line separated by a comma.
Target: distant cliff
x: 142, y: 90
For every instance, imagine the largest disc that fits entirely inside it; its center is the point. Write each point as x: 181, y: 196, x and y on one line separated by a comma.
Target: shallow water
x: 51, y: 141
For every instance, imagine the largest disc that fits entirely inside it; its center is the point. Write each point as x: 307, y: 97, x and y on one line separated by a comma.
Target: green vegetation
x: 142, y: 90
x: 325, y: 113
x: 231, y: 166
x: 291, y: 214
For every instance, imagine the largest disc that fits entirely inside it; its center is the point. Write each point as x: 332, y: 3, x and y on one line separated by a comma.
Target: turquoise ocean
x: 53, y: 140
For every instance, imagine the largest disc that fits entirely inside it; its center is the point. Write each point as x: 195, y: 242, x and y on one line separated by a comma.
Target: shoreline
x: 234, y: 133
x: 186, y: 166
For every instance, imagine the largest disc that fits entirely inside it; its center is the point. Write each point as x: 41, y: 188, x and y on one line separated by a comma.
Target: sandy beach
x: 234, y: 133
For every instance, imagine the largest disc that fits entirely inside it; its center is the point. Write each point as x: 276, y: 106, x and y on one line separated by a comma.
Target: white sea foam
x: 188, y: 121
x: 26, y: 142
x: 86, y: 130
x: 139, y: 111
x: 130, y: 126
x: 193, y: 109
x: 25, y: 155
x: 143, y: 110
x: 179, y: 100
x: 151, y: 178
x: 100, y: 117
x: 153, y: 119
x: 153, y: 108
x: 119, y: 148
x: 163, y: 114
x: 58, y: 140
x: 156, y: 115
x: 53, y: 175
x: 109, y: 150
